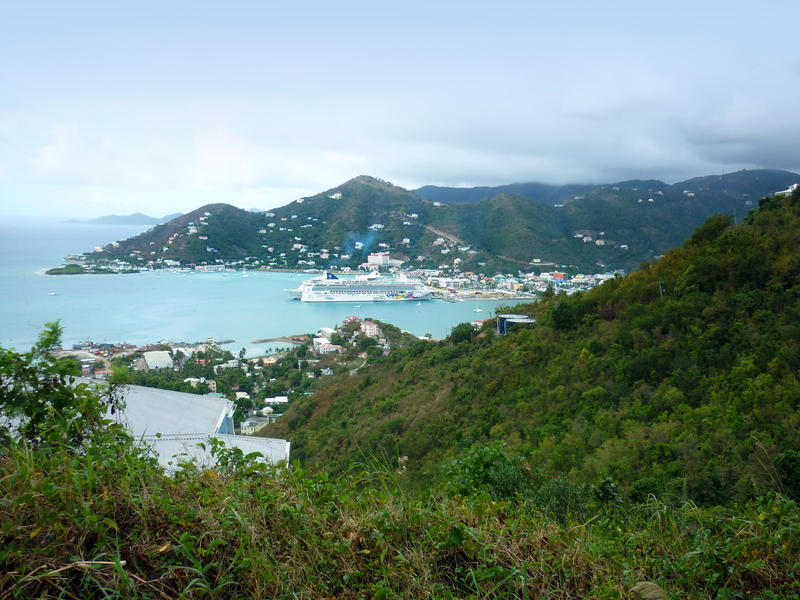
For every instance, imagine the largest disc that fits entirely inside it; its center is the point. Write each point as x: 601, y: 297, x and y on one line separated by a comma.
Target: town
x: 261, y: 388
x: 443, y: 262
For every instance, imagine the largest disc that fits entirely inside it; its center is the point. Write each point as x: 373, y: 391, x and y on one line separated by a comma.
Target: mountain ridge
x: 607, y: 227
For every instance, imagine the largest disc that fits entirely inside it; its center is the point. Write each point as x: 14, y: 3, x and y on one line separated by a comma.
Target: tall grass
x: 109, y: 524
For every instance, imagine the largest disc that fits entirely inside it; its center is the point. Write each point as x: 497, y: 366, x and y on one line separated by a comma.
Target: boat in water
x: 362, y: 288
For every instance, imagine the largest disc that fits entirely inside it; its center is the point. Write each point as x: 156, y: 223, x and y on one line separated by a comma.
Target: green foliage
x: 111, y: 524
x: 107, y: 521
x: 67, y: 270
x: 40, y: 402
x: 564, y: 315
x: 788, y: 465
x: 490, y: 470
x: 463, y: 332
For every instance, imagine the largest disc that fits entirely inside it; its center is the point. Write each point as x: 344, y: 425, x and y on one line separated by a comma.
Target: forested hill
x: 679, y: 380
x: 741, y: 184
x: 605, y: 227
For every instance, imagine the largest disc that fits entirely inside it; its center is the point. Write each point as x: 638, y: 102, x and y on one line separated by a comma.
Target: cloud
x: 477, y: 96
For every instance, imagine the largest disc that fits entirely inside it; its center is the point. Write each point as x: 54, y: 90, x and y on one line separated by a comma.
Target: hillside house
x: 370, y: 329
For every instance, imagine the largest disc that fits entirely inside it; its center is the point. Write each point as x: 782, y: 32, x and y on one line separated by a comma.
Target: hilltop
x: 740, y: 184
x: 602, y: 227
x: 679, y: 380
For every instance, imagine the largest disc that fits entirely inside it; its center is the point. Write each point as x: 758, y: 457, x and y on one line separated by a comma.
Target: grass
x: 109, y: 523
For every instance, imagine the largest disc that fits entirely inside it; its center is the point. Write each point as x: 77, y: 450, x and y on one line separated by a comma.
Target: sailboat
x: 477, y: 309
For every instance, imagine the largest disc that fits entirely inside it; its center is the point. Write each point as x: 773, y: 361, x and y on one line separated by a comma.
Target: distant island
x: 73, y: 269
x: 133, y: 219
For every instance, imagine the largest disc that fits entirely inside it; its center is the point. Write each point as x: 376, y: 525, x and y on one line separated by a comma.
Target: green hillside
x: 605, y: 227
x: 679, y: 380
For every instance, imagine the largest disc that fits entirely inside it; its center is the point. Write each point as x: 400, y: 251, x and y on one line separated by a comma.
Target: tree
x: 564, y: 315
x: 463, y: 332
x: 41, y: 403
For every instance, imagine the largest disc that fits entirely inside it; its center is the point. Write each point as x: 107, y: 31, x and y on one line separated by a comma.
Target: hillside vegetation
x: 86, y: 513
x: 678, y: 381
x: 634, y: 221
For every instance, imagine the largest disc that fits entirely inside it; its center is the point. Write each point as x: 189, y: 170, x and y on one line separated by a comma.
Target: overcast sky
x: 161, y: 107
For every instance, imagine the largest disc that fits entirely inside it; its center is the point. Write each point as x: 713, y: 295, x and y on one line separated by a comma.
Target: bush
x: 488, y: 469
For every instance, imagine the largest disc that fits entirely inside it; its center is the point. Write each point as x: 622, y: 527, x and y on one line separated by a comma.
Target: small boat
x: 51, y: 293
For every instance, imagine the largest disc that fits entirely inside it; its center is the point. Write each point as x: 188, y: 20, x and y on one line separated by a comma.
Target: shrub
x: 488, y: 469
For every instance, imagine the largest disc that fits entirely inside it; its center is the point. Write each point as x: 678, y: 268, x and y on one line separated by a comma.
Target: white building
x: 253, y: 425
x: 158, y: 359
x: 370, y: 329
x: 378, y: 259
x: 277, y: 400
x: 174, y: 424
x: 330, y: 349
x: 319, y: 342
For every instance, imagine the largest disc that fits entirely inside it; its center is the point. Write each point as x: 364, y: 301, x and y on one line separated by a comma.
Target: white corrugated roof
x: 173, y: 423
x: 172, y: 449
x: 149, y: 411
x: 158, y: 359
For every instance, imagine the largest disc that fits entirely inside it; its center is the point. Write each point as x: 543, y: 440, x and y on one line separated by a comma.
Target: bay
x: 173, y: 306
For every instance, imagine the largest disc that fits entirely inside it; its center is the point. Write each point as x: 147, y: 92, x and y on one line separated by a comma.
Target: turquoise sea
x: 178, y: 307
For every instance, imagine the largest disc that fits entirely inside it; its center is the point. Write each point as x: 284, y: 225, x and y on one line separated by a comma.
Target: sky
x: 161, y: 107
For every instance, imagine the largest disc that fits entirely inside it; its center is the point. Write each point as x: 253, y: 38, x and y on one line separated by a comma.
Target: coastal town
x: 262, y: 387
x: 447, y: 281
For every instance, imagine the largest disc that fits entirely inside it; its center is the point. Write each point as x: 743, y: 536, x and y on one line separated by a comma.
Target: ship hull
x: 373, y: 289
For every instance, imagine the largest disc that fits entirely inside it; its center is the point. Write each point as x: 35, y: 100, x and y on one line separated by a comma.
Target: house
x: 194, y: 381
x: 330, y: 349
x: 253, y: 425
x: 277, y: 400
x: 242, y: 396
x: 378, y: 259
x: 319, y: 342
x: 370, y: 329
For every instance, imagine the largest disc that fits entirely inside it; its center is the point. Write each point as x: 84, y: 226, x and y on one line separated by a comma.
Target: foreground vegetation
x: 86, y: 513
x: 107, y: 522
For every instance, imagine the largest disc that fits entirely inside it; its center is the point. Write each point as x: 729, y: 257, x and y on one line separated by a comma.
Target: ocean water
x: 178, y: 307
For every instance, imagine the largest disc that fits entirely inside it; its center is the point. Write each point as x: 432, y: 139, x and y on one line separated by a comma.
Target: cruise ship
x: 362, y: 288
